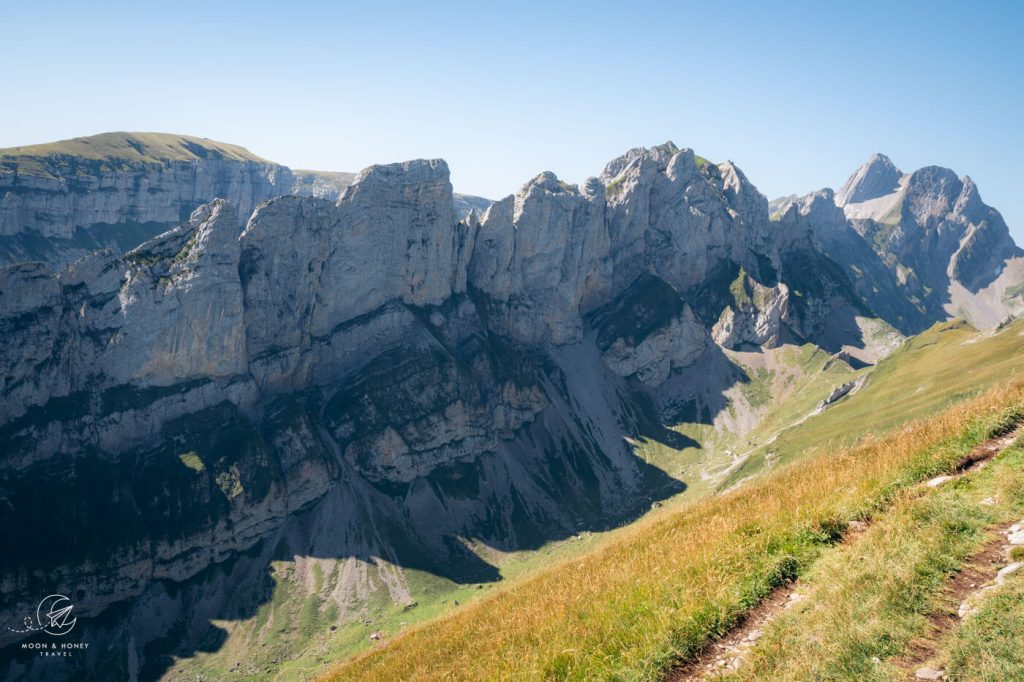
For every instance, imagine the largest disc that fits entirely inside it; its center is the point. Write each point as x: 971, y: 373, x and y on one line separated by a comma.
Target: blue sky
x: 798, y: 94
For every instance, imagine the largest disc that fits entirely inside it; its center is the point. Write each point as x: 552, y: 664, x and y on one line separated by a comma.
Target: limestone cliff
x: 63, y: 200
x: 59, y: 201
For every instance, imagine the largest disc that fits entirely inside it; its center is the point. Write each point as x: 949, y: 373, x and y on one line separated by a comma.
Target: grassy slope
x: 122, y: 148
x: 784, y: 386
x: 796, y: 383
x: 867, y: 601
x: 678, y: 579
x: 291, y: 637
x: 944, y: 365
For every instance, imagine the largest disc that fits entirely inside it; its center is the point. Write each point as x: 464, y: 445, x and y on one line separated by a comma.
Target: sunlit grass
x: 866, y: 603
x: 678, y: 579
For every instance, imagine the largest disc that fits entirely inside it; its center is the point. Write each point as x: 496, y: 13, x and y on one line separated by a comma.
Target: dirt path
x: 977, y: 572
x: 985, y: 570
x: 728, y: 652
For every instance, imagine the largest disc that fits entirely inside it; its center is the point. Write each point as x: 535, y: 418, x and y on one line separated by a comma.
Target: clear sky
x: 798, y: 94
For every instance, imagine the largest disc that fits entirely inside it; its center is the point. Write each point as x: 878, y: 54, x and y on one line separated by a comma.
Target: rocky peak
x: 592, y: 188
x: 421, y: 180
x: 932, y: 192
x: 969, y: 202
x: 820, y: 204
x: 816, y: 213
x: 931, y: 229
x: 659, y: 155
x: 742, y: 195
x: 876, y: 178
x: 210, y: 234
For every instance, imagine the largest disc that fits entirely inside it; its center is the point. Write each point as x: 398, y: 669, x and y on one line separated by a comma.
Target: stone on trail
x: 1008, y: 570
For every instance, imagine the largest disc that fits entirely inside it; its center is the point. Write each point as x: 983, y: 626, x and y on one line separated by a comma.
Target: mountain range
x: 224, y: 380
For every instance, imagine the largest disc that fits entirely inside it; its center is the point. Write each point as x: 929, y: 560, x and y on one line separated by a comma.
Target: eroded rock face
x: 54, y: 204
x: 757, y: 317
x: 539, y: 257
x: 648, y: 332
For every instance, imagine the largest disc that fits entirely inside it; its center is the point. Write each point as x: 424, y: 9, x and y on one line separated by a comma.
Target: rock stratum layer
x: 375, y: 381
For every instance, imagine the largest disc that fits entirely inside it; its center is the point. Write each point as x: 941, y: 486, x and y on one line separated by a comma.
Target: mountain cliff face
x: 918, y: 246
x: 59, y: 201
x: 374, y: 384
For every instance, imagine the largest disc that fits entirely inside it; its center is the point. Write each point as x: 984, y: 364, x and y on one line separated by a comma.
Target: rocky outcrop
x: 648, y: 332
x: 756, y: 318
x: 838, y: 393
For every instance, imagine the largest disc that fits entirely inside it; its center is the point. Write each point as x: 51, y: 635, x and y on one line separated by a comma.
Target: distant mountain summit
x: 878, y: 177
x: 929, y: 221
x: 123, y: 147
x: 921, y: 245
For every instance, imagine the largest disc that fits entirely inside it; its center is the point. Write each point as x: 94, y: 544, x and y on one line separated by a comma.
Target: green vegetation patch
x: 616, y: 186
x: 192, y: 461
x: 116, y: 151
x: 989, y: 645
x: 758, y: 391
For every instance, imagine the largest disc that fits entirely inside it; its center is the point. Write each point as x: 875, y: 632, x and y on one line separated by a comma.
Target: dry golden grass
x: 677, y: 580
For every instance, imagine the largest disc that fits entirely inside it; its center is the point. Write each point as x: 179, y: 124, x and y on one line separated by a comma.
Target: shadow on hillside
x: 697, y: 394
x: 554, y: 479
